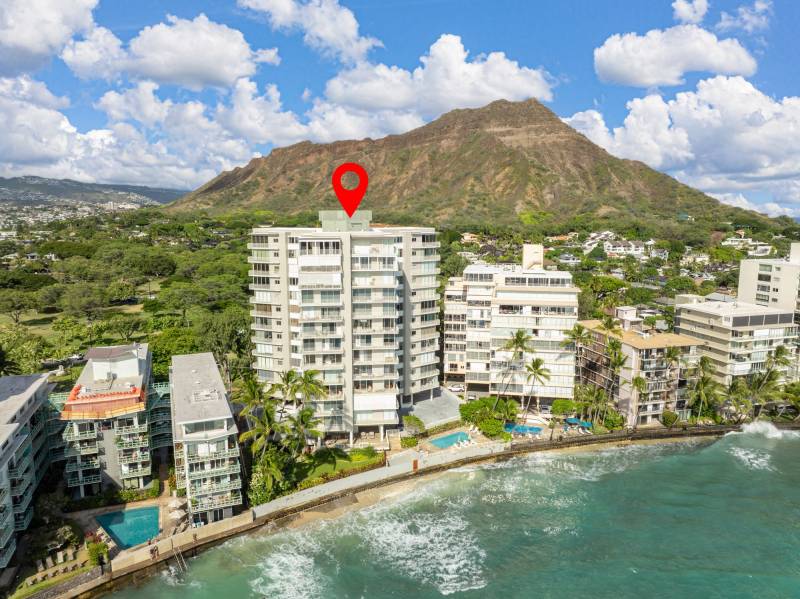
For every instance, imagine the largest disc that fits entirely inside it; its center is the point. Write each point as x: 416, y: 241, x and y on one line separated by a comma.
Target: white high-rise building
x: 772, y: 282
x: 355, y: 302
x: 488, y: 304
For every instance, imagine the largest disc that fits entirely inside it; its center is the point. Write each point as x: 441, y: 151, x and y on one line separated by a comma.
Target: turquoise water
x: 449, y: 440
x: 522, y: 429
x: 695, y: 519
x: 130, y: 527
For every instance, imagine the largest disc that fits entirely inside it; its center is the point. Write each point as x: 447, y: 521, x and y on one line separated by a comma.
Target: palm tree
x: 616, y: 362
x: 610, y: 326
x: 639, y: 384
x: 287, y: 385
x: 578, y: 337
x: 705, y: 392
x: 8, y: 365
x: 518, y: 344
x: 270, y: 469
x: 300, y: 428
x: 310, y: 387
x: 252, y: 394
x: 261, y: 426
x: 537, y: 374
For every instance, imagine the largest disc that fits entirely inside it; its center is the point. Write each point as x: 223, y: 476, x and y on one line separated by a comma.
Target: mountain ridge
x: 505, y: 163
x: 32, y: 189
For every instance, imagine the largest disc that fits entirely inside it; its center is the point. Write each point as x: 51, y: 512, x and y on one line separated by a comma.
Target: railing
x: 20, y: 525
x: 133, y: 458
x: 70, y: 434
x: 25, y: 502
x: 19, y: 470
x: 23, y: 480
x: 136, y: 472
x: 135, y: 428
x: 76, y: 450
x: 78, y: 466
x: 231, y: 452
x: 74, y: 481
x: 161, y: 441
x: 217, y: 502
x: 7, y: 553
x: 215, y: 488
x: 229, y: 469
x: 141, y: 442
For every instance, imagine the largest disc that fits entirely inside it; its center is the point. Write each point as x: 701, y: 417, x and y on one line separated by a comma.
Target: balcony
x: 231, y: 452
x: 78, y: 466
x: 71, y: 434
x: 208, y: 489
x: 25, y: 501
x: 23, y: 523
x: 227, y: 469
x: 135, y: 428
x: 133, y: 443
x: 217, y: 502
x: 6, y: 530
x: 22, y: 481
x: 136, y: 472
x: 74, y: 481
x: 134, y: 458
x: 7, y: 553
x: 19, y: 470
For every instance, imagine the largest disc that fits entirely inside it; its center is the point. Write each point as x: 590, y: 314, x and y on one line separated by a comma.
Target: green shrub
x: 563, y: 407
x: 406, y: 442
x: 155, y: 489
x: 128, y: 495
x: 475, y: 411
x: 363, y: 453
x: 95, y: 551
x: 669, y: 418
x: 613, y: 420
x: 491, y: 427
x: 413, y: 424
x: 180, y: 492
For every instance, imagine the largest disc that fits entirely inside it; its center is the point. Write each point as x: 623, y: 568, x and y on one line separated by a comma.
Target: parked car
x: 472, y: 397
x: 456, y: 388
x: 544, y: 409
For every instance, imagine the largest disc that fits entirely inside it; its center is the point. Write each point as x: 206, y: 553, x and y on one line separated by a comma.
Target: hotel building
x: 667, y: 381
x: 772, y: 282
x: 736, y: 336
x: 355, y: 302
x: 205, y: 437
x: 488, y: 304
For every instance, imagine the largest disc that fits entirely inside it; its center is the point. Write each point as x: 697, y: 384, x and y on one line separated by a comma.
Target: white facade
x: 774, y: 283
x: 357, y: 303
x: 488, y: 304
x: 737, y: 337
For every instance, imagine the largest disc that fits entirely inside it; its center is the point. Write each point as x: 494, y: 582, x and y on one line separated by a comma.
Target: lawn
x: 357, y: 459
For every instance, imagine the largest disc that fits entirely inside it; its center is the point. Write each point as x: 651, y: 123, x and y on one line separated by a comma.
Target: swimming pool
x: 450, y: 440
x: 130, y: 527
x: 522, y: 429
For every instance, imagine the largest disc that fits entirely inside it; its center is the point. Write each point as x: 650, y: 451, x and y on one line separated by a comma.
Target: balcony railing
x: 217, y: 502
x: 195, y: 490
x: 134, y: 458
x: 136, y: 428
x: 23, y: 523
x: 231, y: 452
x: 133, y: 443
x: 228, y: 469
x: 136, y: 472
x: 74, y: 481
x: 70, y: 434
x: 78, y: 466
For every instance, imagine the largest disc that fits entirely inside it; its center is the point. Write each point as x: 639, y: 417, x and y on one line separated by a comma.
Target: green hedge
x: 407, y: 442
x: 328, y: 477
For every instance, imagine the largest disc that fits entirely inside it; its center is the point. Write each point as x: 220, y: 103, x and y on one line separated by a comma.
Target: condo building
x: 772, y: 282
x: 737, y: 337
x: 667, y: 374
x: 484, y: 308
x: 106, y: 438
x: 206, y: 438
x: 23, y: 454
x: 358, y: 303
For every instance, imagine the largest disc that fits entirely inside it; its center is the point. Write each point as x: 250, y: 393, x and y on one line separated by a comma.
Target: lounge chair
x: 39, y: 565
x: 49, y: 561
x: 60, y: 557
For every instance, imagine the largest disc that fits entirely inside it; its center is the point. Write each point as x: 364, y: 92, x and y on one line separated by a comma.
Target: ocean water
x: 690, y: 519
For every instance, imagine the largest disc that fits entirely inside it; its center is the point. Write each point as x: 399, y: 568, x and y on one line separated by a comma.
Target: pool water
x: 450, y: 440
x: 129, y: 528
x: 522, y: 429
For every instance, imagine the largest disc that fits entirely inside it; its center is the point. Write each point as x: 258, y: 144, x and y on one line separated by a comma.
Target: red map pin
x: 350, y: 198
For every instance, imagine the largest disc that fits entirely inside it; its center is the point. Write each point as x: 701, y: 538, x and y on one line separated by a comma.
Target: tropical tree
x: 310, y: 387
x: 537, y: 374
x: 578, y: 337
x: 518, y: 344
x: 7, y: 364
x: 299, y: 429
x: 639, y: 384
x: 610, y: 326
x: 287, y: 386
x: 268, y: 474
x: 705, y: 392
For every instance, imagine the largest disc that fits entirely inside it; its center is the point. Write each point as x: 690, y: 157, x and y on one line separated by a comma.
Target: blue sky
x: 113, y: 91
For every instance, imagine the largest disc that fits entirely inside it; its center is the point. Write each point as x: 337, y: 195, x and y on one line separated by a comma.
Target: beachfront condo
x: 490, y: 302
x: 656, y: 375
x: 23, y: 454
x: 106, y: 439
x: 356, y: 302
x: 737, y: 337
x: 772, y: 282
x: 205, y: 437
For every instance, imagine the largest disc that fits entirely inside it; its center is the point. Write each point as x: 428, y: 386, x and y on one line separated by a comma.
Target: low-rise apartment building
x: 106, y: 437
x: 736, y: 336
x: 484, y: 308
x: 357, y: 303
x: 207, y: 460
x: 665, y: 372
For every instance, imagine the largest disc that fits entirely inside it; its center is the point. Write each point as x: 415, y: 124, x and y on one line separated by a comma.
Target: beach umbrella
x: 177, y: 503
x: 572, y: 421
x: 177, y: 515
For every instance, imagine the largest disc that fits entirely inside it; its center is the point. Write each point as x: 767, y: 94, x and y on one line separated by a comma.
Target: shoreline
x: 337, y: 504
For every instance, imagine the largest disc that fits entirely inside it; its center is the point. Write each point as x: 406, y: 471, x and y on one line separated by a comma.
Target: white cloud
x: 33, y: 30
x: 662, y: 57
x: 260, y: 119
x: 769, y: 208
x: 726, y: 137
x: 139, y: 103
x: 326, y: 25
x: 194, y: 53
x: 747, y: 18
x: 689, y: 11
x: 446, y: 79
